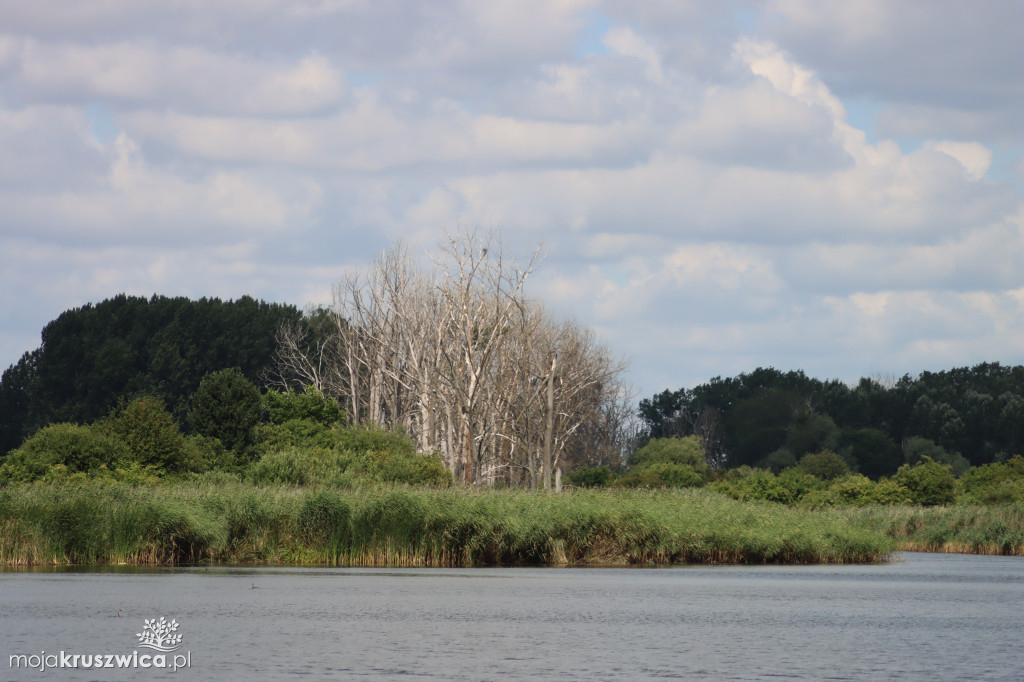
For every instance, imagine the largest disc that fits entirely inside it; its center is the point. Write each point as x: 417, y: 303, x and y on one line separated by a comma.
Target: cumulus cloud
x: 702, y: 176
x: 194, y: 79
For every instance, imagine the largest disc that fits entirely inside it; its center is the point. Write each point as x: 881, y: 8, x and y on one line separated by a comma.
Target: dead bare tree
x: 459, y: 357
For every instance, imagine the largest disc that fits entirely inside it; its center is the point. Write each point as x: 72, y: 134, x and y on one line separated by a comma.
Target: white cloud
x: 705, y: 197
x: 192, y: 78
x: 626, y: 42
x: 975, y: 158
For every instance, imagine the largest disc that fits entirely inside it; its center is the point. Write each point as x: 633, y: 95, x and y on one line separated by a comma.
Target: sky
x: 823, y: 185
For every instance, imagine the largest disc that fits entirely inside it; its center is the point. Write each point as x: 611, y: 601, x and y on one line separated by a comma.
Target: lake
x: 921, y: 617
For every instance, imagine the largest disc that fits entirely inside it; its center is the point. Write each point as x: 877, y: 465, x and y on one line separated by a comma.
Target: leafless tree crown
x: 460, y: 358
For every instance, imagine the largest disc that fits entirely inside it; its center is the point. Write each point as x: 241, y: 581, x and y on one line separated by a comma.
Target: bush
x: 590, y: 477
x: 748, y: 483
x: 351, y: 454
x: 929, y: 483
x: 311, y: 405
x: 688, y: 451
x: 825, y: 465
x: 997, y: 483
x: 70, y: 446
x: 150, y: 433
x: 660, y: 475
x: 296, y: 432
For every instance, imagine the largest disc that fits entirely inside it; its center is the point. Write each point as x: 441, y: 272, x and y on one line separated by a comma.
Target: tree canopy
x: 128, y: 346
x: 961, y: 417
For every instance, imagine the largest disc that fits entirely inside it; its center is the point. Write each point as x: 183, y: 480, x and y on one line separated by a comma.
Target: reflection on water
x: 926, y: 616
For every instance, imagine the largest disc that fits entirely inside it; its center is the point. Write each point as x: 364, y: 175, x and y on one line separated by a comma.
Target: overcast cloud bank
x: 817, y: 185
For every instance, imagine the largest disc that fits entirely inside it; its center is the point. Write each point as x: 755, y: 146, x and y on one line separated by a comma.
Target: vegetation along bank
x: 418, y: 420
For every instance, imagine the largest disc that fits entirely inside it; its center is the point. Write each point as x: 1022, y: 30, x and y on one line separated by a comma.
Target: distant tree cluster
x: 771, y: 419
x: 126, y: 347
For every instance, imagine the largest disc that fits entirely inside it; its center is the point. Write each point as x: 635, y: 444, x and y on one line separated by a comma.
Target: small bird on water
x: 254, y: 587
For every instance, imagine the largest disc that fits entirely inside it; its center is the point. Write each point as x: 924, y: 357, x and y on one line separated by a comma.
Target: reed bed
x: 996, y: 529
x: 198, y: 522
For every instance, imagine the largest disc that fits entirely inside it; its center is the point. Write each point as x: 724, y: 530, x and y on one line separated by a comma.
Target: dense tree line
x: 128, y: 346
x: 962, y: 417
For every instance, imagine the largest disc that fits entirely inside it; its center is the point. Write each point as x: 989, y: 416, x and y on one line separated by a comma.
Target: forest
x: 448, y: 377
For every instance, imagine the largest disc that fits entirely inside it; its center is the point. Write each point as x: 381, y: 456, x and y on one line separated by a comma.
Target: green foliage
x: 295, y: 432
x: 977, y: 412
x: 227, y: 406
x: 748, y: 483
x: 916, y: 450
x: 929, y: 483
x: 150, y: 433
x: 811, y: 433
x: 856, y: 490
x: 660, y: 475
x: 303, y: 452
x: 687, y: 451
x: 874, y: 452
x: 311, y: 405
x: 590, y: 477
x: 323, y: 520
x: 778, y: 461
x: 666, y: 463
x: 128, y: 346
x: 75, y: 448
x: 824, y: 465
x: 758, y: 425
x: 997, y: 483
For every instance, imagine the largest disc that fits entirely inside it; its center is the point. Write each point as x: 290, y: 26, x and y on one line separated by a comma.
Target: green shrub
x: 929, y: 483
x: 389, y: 457
x: 149, y: 431
x: 310, y: 405
x: 641, y: 477
x: 825, y: 465
x: 660, y: 475
x: 296, y: 432
x: 292, y: 466
x: 996, y: 483
x: 747, y: 483
x: 688, y: 451
x: 590, y: 477
x: 890, y: 492
x: 68, y: 446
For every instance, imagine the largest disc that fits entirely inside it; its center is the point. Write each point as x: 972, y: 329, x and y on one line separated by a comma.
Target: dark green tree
x: 128, y: 346
x: 874, y: 452
x: 227, y: 406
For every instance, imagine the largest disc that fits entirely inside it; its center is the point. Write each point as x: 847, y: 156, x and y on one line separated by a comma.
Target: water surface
x: 922, y: 617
